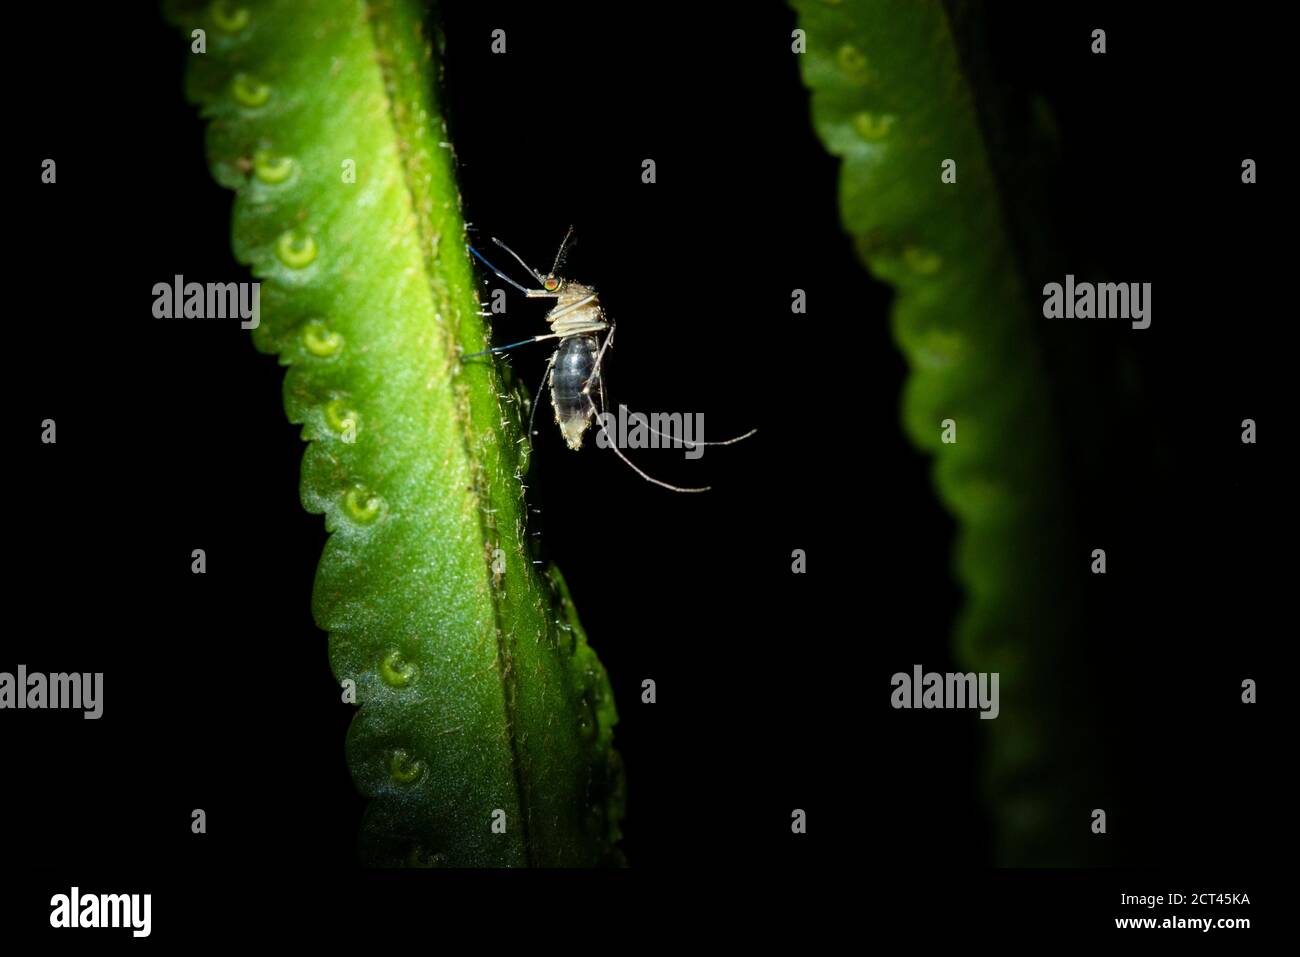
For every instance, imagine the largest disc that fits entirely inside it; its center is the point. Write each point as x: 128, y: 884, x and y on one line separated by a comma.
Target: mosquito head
x: 552, y: 283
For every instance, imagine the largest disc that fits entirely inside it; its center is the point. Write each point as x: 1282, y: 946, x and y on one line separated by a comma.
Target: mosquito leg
x: 596, y: 366
x: 500, y: 275
x: 691, y: 444
x: 512, y: 345
x: 551, y: 317
x: 609, y: 340
x: 533, y: 272
x: 537, y: 399
x: 619, y: 452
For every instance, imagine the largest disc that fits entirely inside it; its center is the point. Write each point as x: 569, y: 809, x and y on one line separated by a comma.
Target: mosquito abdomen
x: 574, y: 362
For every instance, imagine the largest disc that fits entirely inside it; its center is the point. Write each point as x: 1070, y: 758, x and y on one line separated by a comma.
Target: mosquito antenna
x: 533, y: 272
x: 690, y: 444
x: 559, y: 255
x: 499, y: 273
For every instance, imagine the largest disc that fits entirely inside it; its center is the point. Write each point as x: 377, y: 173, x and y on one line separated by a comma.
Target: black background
x: 773, y: 688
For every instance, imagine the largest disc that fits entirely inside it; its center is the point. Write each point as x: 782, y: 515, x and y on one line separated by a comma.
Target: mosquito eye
x: 551, y: 285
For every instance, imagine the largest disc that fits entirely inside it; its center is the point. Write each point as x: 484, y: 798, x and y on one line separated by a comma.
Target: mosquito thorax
x: 570, y: 292
x: 569, y: 303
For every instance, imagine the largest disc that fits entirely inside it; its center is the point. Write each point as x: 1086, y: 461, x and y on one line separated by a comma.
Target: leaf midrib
x: 429, y: 240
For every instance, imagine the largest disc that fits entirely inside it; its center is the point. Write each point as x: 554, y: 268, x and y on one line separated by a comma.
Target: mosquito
x: 584, y: 332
